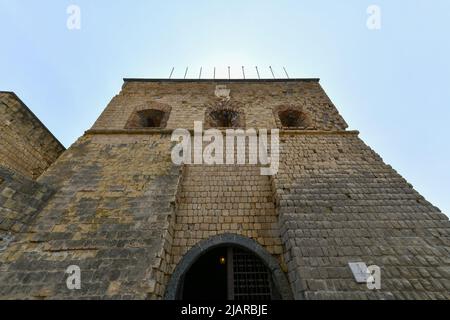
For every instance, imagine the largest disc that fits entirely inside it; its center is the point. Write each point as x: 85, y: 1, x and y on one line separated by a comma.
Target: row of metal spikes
x: 229, y: 72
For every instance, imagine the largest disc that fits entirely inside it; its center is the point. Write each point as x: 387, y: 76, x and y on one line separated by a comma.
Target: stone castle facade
x: 115, y: 205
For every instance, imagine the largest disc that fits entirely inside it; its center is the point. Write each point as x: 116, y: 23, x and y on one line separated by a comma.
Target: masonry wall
x: 26, y: 146
x: 110, y: 214
x: 339, y: 203
x: 126, y: 215
x: 20, y: 200
x: 221, y: 199
x: 190, y: 100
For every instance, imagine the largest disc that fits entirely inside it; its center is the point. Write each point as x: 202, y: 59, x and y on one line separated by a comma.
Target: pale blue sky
x: 392, y: 84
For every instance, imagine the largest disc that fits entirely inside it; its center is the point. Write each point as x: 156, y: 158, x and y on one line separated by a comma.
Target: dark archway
x: 206, y: 278
x: 291, y: 118
x: 224, y: 118
x: 150, y: 115
x: 214, y: 248
x: 224, y: 115
x: 149, y: 118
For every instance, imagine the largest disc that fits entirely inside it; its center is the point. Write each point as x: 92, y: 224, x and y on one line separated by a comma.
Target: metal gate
x: 248, y: 277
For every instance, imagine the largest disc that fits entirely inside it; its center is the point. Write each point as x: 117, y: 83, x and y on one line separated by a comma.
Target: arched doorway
x: 228, y: 267
x: 228, y: 273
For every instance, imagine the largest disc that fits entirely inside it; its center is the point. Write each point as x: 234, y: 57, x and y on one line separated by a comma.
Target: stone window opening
x: 224, y: 115
x: 225, y: 118
x: 291, y: 118
x: 148, y: 118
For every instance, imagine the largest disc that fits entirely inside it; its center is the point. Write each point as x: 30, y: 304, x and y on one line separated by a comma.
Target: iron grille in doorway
x: 248, y: 277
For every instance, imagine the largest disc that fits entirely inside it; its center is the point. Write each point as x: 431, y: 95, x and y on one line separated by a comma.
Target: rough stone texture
x: 20, y: 199
x: 225, y: 199
x: 126, y: 215
x: 189, y: 101
x: 26, y: 146
x: 109, y: 215
x: 339, y: 203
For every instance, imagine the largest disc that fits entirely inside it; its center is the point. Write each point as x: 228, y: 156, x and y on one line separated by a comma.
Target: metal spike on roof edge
x: 287, y: 75
x: 273, y: 75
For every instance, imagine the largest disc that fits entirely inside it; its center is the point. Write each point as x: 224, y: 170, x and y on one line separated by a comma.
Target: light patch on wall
x: 5, y: 240
x: 359, y: 270
x: 222, y: 92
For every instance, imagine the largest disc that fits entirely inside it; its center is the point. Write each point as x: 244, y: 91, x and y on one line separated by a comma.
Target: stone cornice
x: 169, y: 131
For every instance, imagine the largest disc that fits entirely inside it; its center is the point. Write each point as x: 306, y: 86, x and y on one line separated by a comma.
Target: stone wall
x: 26, y: 146
x: 110, y: 214
x: 20, y: 200
x: 126, y: 215
x: 189, y: 100
x: 339, y: 203
x: 225, y: 199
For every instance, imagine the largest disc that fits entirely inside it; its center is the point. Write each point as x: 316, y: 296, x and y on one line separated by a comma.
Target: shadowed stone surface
x: 26, y: 145
x: 20, y: 199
